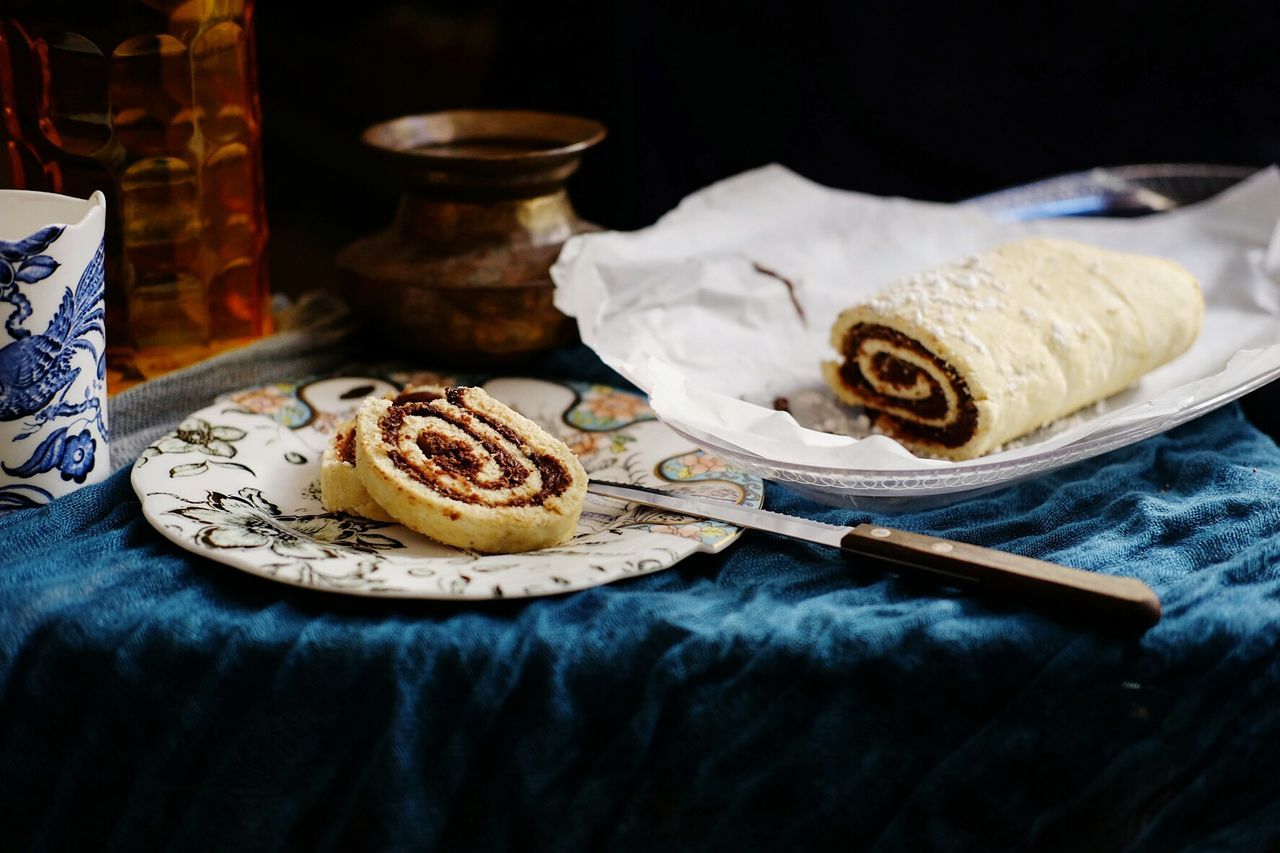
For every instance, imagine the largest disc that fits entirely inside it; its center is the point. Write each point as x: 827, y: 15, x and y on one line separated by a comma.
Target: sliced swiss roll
x: 341, y: 489
x: 958, y: 360
x: 468, y: 471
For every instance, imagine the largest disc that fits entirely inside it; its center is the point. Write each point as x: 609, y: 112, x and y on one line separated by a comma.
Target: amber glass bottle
x: 155, y: 103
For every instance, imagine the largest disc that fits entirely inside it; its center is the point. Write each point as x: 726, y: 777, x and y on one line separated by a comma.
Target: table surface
x: 771, y: 696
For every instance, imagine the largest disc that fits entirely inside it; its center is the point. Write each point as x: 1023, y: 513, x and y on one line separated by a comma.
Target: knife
x: 1116, y: 600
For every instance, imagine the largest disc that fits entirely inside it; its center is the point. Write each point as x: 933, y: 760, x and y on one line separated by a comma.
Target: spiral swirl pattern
x: 467, y: 455
x: 912, y: 391
x: 468, y: 471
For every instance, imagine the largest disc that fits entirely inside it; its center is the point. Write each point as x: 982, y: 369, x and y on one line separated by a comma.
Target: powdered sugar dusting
x: 972, y: 340
x: 1061, y: 334
x: 819, y: 409
x: 947, y: 301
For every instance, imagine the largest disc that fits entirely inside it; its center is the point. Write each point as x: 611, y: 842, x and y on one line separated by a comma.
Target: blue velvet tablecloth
x: 771, y: 697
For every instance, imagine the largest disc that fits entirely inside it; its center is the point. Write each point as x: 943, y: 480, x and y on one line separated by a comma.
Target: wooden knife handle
x: 1126, y: 601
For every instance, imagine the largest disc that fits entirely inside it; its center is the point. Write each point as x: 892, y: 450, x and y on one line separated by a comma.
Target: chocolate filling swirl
x: 345, y: 444
x: 452, y: 458
x: 906, y: 399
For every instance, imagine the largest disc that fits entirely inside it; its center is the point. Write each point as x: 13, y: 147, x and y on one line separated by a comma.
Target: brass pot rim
x: 424, y: 138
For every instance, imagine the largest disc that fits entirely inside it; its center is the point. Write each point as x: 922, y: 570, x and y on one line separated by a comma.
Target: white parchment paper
x: 726, y: 303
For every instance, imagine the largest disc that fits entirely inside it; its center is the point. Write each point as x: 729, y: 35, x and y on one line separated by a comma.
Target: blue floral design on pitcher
x: 72, y: 455
x: 36, y: 370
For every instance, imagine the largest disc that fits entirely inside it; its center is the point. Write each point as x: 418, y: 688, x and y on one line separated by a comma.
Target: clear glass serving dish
x: 1121, y: 191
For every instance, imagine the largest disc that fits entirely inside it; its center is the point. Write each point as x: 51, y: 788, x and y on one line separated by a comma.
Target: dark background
x: 935, y: 101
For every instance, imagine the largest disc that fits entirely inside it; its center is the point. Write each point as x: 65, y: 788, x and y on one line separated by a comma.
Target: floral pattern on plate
x: 196, y: 435
x: 602, y: 408
x: 238, y: 484
x: 705, y: 476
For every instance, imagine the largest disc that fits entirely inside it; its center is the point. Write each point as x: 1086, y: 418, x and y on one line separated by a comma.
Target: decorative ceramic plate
x: 238, y: 482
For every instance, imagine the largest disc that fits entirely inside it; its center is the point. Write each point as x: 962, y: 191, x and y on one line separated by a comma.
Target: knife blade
x: 1118, y: 600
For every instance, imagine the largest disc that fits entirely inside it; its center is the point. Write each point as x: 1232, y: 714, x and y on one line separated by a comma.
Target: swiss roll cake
x: 468, y: 471
x: 958, y: 360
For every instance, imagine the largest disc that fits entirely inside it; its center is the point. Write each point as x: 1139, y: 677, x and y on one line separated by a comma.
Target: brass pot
x: 462, y: 273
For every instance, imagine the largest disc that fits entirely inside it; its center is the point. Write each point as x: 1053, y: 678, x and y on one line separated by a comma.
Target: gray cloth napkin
x: 316, y: 336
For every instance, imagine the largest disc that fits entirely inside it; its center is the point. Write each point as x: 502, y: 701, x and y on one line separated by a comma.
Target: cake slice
x: 468, y: 471
x: 340, y: 487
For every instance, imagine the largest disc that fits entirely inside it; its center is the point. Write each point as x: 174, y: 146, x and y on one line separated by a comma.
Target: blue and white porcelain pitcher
x: 53, y: 390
